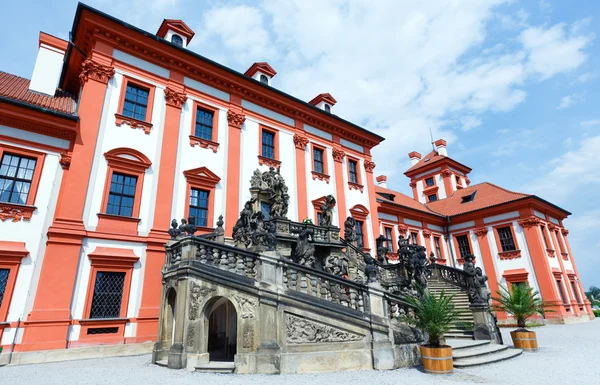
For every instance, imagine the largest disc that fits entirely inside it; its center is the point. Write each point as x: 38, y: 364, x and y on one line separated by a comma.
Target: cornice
x: 96, y: 71
x: 300, y: 141
x: 235, y: 120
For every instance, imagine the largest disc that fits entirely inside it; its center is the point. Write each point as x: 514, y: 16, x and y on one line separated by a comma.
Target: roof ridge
x: 505, y: 189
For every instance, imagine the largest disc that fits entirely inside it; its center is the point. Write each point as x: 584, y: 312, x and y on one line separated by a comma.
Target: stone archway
x: 222, y: 325
x: 170, y: 317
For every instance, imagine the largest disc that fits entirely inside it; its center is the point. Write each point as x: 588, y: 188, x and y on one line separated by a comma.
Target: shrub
x: 522, y: 302
x: 433, y: 315
x: 596, y: 312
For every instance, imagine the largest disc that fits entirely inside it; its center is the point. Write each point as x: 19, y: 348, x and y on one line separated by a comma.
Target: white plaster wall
x: 111, y: 137
x: 420, y: 194
x: 33, y: 234
x: 47, y: 70
x: 317, y: 188
x: 189, y: 158
x: 355, y: 197
x: 439, y: 180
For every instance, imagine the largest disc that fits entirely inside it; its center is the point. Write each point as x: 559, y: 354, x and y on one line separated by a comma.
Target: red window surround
x: 106, y: 259
x: 129, y: 162
x: 441, y: 258
x: 459, y: 259
x: 354, y: 186
x: 11, y: 255
x: 317, y: 175
x: 514, y: 254
x: 213, y: 143
x: 264, y: 161
x: 317, y: 203
x: 17, y: 212
x: 515, y: 276
x: 204, y: 179
x: 121, y: 119
x: 360, y: 213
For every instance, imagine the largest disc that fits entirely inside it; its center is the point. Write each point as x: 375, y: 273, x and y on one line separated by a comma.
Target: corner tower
x: 436, y: 176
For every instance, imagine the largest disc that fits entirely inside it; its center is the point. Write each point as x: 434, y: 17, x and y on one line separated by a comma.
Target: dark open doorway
x: 222, y: 331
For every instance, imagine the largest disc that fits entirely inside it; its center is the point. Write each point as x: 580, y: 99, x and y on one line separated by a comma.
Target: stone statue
x: 327, y: 211
x: 480, y: 284
x: 279, y: 197
x: 304, y: 253
x: 174, y: 231
x: 188, y: 227
x: 337, y: 265
x: 476, y: 282
x: 350, y: 230
x: 220, y: 223
x: 242, y: 230
x: 419, y: 262
x: 262, y: 233
x: 370, y: 268
x: 382, y: 249
x: 256, y: 180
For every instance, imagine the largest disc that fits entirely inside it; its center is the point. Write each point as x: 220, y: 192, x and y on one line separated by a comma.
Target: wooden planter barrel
x: 437, y: 360
x: 524, y: 340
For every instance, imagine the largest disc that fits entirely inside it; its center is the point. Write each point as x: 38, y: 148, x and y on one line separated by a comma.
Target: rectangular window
x: 438, y: 247
x: 562, y: 292
x: 389, y: 240
x: 198, y: 208
x: 429, y: 182
x: 413, y: 238
x: 543, y: 228
x: 352, y: 171
x: 4, y: 273
x: 457, y: 178
x: 360, y: 240
x: 464, y: 247
x: 204, y: 124
x: 573, y: 286
x: 513, y: 284
x: 506, y: 239
x: 268, y: 144
x: 265, y: 209
x: 319, y: 218
x: 121, y: 195
x: 560, y: 244
x: 136, y: 102
x: 318, y: 164
x: 108, y: 295
x: 432, y: 198
x: 16, y: 175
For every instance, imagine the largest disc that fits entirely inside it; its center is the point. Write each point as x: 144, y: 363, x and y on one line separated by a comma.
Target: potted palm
x: 522, y: 303
x: 434, y: 316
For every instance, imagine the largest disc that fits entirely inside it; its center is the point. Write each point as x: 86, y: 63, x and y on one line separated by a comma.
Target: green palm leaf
x: 434, y: 315
x: 521, y: 302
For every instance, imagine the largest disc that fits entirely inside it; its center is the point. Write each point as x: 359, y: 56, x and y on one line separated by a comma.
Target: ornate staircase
x: 467, y: 353
x: 464, y: 325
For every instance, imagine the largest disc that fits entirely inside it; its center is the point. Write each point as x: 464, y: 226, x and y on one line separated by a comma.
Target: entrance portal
x: 222, y: 331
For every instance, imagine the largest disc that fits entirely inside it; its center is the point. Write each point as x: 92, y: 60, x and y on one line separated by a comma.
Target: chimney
x: 262, y: 72
x: 48, y: 64
x: 381, y: 181
x: 440, y: 146
x: 415, y: 157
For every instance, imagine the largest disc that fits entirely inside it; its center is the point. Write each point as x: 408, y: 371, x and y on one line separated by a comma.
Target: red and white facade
x: 192, y: 148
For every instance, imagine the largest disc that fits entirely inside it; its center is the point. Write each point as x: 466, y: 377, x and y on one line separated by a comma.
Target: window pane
x: 463, y: 245
x: 3, y: 281
x: 204, y: 124
x: 352, y: 171
x: 108, y: 294
x: 506, y: 239
x: 122, y: 195
x: 198, y: 208
x: 268, y: 145
x: 16, y: 175
x: 360, y: 242
x: 136, y: 102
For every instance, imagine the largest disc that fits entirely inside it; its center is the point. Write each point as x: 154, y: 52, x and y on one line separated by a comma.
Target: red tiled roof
x: 17, y: 88
x: 401, y: 199
x: 487, y: 195
x: 433, y: 156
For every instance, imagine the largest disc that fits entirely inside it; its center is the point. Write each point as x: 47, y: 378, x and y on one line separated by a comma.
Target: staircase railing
x: 449, y: 274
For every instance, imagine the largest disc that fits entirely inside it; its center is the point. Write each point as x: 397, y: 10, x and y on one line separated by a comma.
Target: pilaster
x: 300, y: 142
x: 235, y: 119
x: 488, y: 262
x: 338, y: 159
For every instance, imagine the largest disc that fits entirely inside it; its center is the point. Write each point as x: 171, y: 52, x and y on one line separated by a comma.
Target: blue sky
x: 511, y: 85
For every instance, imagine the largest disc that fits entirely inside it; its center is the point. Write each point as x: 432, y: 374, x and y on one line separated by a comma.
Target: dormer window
x: 177, y: 40
x: 429, y: 182
x: 264, y: 79
x: 327, y: 108
x: 468, y: 198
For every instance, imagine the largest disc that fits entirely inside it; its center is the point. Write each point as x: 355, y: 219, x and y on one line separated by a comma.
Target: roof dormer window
x: 468, y: 198
x: 264, y: 79
x: 177, y: 40
x: 327, y: 108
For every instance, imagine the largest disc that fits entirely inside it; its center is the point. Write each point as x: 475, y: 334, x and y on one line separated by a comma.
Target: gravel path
x: 567, y: 354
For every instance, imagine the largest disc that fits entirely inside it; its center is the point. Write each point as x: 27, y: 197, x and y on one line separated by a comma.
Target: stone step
x: 216, y: 367
x: 487, y: 358
x: 465, y: 344
x: 478, y: 351
x: 460, y: 335
x: 459, y: 331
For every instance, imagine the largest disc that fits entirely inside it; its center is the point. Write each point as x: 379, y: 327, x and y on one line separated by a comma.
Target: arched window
x: 177, y: 40
x: 327, y: 108
x: 264, y: 79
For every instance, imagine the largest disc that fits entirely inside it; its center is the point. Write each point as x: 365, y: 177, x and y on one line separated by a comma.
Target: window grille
x: 389, y: 240
x: 136, y: 102
x: 121, y: 195
x: 506, y: 239
x: 463, y: 245
x: 204, y: 124
x: 16, y: 174
x: 318, y: 160
x: 108, y: 295
x: 413, y: 238
x: 432, y: 198
x: 268, y: 144
x: 198, y: 208
x: 102, y: 331
x: 319, y: 218
x: 429, y: 182
x: 360, y: 241
x: 3, y: 281
x: 352, y: 170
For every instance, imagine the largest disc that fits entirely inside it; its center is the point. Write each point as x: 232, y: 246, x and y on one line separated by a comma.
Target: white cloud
x: 590, y: 123
x: 470, y: 122
x: 552, y: 51
x: 569, y: 100
x: 586, y: 77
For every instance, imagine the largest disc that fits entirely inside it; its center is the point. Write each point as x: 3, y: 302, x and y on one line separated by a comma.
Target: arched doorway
x: 169, y: 333
x: 222, y: 330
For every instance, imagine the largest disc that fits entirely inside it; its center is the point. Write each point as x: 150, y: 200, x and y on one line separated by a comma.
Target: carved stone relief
x: 301, y: 331
x: 197, y: 292
x: 191, y: 335
x: 248, y: 337
x: 247, y: 306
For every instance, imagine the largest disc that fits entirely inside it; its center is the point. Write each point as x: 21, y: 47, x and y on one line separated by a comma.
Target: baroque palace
x: 121, y: 130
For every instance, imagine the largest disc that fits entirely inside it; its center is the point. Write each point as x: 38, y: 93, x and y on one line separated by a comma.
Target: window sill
x: 117, y: 224
x: 133, y: 123
x: 355, y: 186
x: 103, y: 321
x: 551, y: 253
x: 203, y: 143
x: 565, y: 256
x: 320, y: 176
x: 264, y: 161
x: 508, y: 255
x: 4, y: 325
x: 15, y: 212
x: 430, y: 190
